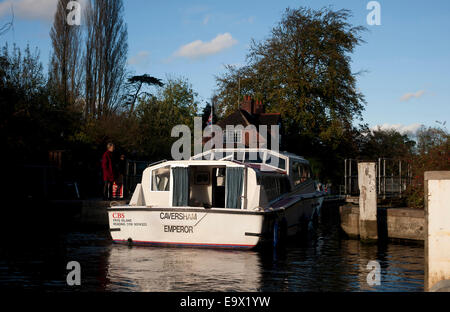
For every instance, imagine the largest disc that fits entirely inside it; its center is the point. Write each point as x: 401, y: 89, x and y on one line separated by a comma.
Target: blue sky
x: 406, y: 60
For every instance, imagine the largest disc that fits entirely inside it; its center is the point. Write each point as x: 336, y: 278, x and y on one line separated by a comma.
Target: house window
x: 232, y: 136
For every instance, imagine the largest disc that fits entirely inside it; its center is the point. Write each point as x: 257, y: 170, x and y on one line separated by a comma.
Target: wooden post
x: 437, y: 230
x: 368, y: 229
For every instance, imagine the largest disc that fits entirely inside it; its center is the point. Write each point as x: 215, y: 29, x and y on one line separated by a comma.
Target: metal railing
x: 393, y: 177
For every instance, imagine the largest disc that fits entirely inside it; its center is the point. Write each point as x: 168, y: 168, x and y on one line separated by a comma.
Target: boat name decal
x: 177, y: 216
x: 178, y: 229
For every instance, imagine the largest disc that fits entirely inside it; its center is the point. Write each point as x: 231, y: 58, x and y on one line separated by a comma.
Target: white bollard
x: 437, y: 230
x: 368, y: 229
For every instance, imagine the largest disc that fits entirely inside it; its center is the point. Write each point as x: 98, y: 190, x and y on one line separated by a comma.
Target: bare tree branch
x: 7, y: 27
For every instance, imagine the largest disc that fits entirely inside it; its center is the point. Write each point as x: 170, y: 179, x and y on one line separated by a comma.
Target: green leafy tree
x: 135, y: 84
x: 29, y: 124
x: 302, y: 70
x: 390, y: 143
x: 174, y: 104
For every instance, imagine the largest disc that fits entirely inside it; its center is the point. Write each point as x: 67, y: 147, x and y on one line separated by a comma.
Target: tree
x: 429, y: 138
x: 105, y: 56
x: 175, y: 104
x: 433, y: 153
x: 23, y: 72
x: 302, y: 70
x: 7, y: 26
x: 179, y: 96
x: 29, y: 124
x: 136, y: 83
x: 65, y: 70
x: 389, y: 143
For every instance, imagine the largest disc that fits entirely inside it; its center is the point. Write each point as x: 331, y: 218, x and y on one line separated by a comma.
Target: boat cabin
x: 222, y: 178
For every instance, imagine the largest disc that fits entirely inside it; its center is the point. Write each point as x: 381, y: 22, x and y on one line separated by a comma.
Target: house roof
x: 269, y: 119
x: 242, y: 117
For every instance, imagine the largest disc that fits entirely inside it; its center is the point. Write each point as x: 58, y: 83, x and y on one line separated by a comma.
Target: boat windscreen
x: 275, y: 161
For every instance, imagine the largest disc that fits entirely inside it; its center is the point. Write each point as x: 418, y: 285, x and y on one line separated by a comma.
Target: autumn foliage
x: 433, y: 154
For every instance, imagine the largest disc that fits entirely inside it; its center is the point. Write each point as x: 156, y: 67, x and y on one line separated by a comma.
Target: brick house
x: 250, y: 112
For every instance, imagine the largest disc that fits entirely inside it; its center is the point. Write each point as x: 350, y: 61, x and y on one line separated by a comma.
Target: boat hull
x: 185, y: 227
x: 207, y: 228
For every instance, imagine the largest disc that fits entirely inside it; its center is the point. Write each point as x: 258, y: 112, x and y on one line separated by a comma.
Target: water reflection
x: 168, y: 269
x: 326, y: 262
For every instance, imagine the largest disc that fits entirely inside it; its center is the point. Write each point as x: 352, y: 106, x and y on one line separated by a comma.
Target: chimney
x: 247, y: 104
x: 258, y: 108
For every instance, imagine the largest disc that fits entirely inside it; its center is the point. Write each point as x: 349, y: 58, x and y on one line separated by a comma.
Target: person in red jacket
x: 108, y: 174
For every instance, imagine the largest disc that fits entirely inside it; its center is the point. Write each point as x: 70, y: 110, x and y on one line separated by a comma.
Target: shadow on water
x: 325, y: 262
x: 330, y: 262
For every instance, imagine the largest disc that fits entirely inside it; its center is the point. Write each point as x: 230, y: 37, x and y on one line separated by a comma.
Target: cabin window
x: 296, y: 175
x: 275, y: 186
x: 305, y: 172
x: 161, y: 179
x: 276, y: 162
x: 232, y: 136
x: 300, y: 172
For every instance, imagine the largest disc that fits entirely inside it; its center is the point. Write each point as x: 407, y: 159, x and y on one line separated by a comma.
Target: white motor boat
x: 223, y: 198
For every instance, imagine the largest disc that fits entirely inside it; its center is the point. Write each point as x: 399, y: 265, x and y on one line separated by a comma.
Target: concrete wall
x: 395, y: 223
x: 437, y: 242
x: 350, y: 220
x: 406, y: 223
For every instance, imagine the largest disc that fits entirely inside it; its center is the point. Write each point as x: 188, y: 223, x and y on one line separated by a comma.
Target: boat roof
x: 256, y: 158
x: 227, y: 153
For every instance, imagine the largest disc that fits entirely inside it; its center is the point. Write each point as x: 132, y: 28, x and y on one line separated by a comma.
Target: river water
x: 326, y: 262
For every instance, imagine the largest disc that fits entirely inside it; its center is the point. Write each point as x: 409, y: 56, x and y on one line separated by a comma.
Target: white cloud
x: 198, y: 48
x: 43, y: 10
x: 29, y: 9
x: 403, y: 129
x: 142, y: 58
x: 408, y: 96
